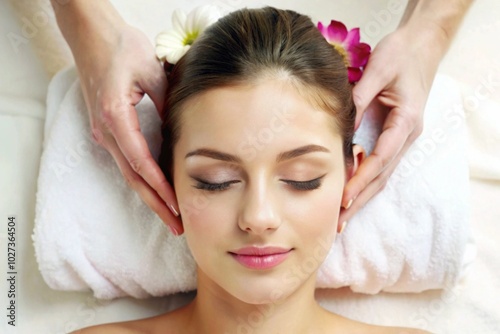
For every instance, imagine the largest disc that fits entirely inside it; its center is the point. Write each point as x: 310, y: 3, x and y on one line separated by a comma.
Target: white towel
x: 93, y: 232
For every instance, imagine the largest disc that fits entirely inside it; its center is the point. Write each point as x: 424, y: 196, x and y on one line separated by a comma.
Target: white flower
x: 172, y: 44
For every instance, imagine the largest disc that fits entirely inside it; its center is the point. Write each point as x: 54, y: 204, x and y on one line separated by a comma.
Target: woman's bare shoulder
x: 152, y: 325
x: 373, y: 329
x: 114, y: 328
x: 142, y: 326
x: 107, y: 329
x: 401, y: 330
x: 411, y: 331
x: 353, y: 326
x: 393, y: 330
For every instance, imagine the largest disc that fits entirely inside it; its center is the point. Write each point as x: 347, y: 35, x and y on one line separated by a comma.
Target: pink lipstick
x: 261, y: 257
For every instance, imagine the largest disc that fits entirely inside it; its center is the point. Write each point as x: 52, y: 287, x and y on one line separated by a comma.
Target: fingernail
x: 343, y: 227
x: 171, y: 207
x: 174, y: 231
x: 348, y: 204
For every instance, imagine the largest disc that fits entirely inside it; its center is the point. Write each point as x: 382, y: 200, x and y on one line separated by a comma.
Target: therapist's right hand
x: 117, y: 66
x: 114, y: 78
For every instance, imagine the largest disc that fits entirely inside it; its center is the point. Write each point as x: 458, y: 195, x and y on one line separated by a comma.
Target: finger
x: 371, y: 84
x: 125, y: 128
x: 156, y: 87
x: 361, y: 200
x: 147, y: 193
x: 397, y: 130
x: 373, y: 188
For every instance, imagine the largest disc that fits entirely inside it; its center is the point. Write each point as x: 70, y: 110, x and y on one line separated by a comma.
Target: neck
x: 214, y: 310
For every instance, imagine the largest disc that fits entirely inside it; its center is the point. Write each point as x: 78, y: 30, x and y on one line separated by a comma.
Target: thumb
x: 371, y: 84
x: 156, y: 88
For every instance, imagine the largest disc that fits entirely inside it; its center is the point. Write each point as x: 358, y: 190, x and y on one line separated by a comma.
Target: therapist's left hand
x: 396, y: 82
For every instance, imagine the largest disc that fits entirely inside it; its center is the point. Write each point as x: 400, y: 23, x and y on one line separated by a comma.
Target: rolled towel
x: 93, y: 232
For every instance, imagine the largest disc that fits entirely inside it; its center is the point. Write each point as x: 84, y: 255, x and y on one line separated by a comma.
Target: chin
x: 258, y: 298
x: 261, y: 290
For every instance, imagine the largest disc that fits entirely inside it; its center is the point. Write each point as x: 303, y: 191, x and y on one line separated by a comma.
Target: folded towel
x: 93, y: 232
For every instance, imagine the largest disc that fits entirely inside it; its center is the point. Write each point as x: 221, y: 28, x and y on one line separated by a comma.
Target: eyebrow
x: 287, y: 155
x: 300, y: 151
x: 214, y: 154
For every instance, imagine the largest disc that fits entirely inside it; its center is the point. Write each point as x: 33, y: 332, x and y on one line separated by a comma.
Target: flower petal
x: 337, y: 32
x: 179, y: 20
x: 352, y: 38
x: 323, y: 30
x: 174, y: 55
x: 191, y: 22
x: 205, y: 16
x: 170, y: 45
x: 166, y: 41
x: 354, y: 74
x: 347, y: 44
x: 359, y: 54
x: 168, y: 37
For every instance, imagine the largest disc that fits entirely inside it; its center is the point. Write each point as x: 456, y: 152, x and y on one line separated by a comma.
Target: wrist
x: 420, y: 52
x: 80, y: 20
x: 427, y: 37
x: 434, y: 22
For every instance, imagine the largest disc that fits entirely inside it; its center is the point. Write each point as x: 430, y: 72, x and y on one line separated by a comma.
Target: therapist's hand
x: 114, y: 80
x: 399, y: 88
x: 396, y: 83
x: 117, y: 66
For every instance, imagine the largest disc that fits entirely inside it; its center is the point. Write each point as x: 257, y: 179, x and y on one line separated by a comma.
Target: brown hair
x: 244, y: 46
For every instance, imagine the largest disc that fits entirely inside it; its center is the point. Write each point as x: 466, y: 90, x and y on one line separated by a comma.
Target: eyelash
x: 213, y: 186
x: 298, y: 185
x: 306, y: 185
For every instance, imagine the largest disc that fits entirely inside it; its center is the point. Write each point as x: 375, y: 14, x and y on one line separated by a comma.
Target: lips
x: 261, y: 257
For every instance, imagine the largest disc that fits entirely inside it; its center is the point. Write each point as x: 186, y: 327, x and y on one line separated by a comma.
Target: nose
x: 260, y: 211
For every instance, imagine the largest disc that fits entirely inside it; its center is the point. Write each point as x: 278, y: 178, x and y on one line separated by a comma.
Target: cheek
x: 319, y: 211
x: 316, y: 217
x: 200, y: 210
x: 207, y: 220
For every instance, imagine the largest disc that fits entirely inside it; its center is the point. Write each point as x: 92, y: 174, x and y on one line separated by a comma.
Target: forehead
x: 266, y: 113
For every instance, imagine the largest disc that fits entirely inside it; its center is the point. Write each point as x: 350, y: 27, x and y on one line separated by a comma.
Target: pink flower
x: 347, y: 43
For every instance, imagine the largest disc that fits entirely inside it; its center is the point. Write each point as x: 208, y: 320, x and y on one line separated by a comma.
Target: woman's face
x: 259, y: 175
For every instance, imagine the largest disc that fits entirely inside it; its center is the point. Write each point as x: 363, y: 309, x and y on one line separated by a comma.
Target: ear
x: 359, y: 155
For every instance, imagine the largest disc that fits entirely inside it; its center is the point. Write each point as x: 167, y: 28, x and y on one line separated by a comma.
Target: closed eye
x: 204, y: 185
x: 305, y: 185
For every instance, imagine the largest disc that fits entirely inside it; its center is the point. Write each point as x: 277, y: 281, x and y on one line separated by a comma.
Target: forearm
x: 435, y: 20
x: 78, y: 20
